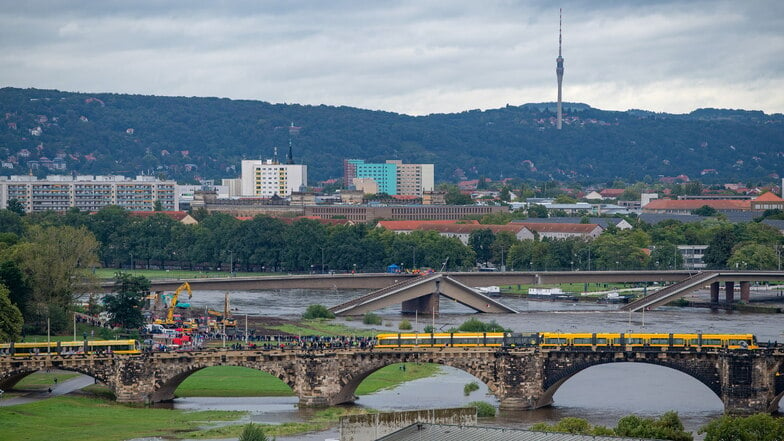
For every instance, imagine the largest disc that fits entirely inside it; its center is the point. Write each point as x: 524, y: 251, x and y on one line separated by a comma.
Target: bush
x: 577, y: 426
x: 474, y: 325
x: 429, y: 328
x: 470, y: 387
x: 371, y: 319
x: 405, y: 325
x: 318, y: 311
x: 759, y: 427
x: 483, y: 409
x: 252, y: 432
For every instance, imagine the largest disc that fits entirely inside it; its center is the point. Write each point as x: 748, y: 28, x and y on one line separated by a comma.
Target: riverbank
x: 91, y: 414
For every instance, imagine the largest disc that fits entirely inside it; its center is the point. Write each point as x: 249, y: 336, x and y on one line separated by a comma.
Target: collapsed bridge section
x: 421, y: 295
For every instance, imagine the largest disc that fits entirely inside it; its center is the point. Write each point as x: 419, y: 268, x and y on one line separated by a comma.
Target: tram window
x: 601, y: 341
x: 583, y: 341
x: 634, y: 341
x: 742, y: 343
x: 677, y: 341
x: 555, y: 341
x: 660, y: 341
x: 711, y: 342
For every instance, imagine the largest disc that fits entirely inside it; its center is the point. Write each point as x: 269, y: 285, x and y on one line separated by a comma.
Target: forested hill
x: 184, y: 138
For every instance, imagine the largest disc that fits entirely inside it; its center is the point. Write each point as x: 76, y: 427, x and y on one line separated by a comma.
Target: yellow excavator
x: 170, y: 313
x: 223, y: 318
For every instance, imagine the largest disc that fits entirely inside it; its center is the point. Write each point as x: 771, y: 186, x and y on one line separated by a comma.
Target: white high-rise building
x: 268, y: 178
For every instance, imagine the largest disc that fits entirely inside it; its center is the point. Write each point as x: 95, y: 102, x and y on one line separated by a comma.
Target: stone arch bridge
x: 747, y: 381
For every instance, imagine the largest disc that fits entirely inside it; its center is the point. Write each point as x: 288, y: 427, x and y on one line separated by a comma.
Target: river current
x: 601, y: 394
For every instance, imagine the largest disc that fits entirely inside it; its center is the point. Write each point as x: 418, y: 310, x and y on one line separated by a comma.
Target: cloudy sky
x: 409, y: 56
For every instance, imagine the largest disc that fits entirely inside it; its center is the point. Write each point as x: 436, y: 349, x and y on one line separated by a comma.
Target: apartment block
x: 392, y: 177
x: 88, y: 193
x: 268, y: 178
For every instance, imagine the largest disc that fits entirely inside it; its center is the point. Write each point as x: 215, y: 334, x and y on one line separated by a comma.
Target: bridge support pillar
x: 422, y: 305
x: 747, y: 385
x: 522, y: 386
x: 714, y: 293
x: 729, y: 292
x: 745, y: 291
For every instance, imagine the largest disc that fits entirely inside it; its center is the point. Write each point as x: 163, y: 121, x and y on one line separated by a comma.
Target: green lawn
x: 323, y: 327
x: 69, y: 418
x: 575, y: 288
x: 392, y: 375
x: 42, y: 380
x: 234, y: 381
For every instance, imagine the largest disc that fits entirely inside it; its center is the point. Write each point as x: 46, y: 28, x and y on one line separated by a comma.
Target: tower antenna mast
x: 559, y: 70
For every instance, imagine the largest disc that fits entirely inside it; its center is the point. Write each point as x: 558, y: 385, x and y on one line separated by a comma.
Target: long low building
x: 520, y: 230
x: 88, y: 193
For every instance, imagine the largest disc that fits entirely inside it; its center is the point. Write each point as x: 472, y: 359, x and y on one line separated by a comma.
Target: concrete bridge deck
x: 421, y: 294
x: 747, y: 381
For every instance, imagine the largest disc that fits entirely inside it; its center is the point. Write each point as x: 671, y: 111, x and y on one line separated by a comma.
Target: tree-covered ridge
x: 183, y: 138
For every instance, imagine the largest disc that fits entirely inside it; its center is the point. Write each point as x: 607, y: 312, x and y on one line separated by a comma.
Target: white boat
x: 489, y: 290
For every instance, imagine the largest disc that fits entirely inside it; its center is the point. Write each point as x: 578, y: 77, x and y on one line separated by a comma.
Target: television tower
x: 559, y: 69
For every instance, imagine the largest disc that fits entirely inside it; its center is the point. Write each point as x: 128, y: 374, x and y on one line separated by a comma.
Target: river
x: 601, y: 394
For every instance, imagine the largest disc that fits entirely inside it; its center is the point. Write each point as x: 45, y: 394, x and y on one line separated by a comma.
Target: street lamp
x: 231, y: 262
x: 322, y: 260
x: 131, y: 261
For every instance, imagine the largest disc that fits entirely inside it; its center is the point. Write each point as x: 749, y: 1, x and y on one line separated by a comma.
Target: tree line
x: 46, y: 259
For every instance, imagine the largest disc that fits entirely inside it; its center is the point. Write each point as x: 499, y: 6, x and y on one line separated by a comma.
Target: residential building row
x: 88, y: 193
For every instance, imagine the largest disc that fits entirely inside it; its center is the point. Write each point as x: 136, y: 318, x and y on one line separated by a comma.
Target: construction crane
x: 170, y: 313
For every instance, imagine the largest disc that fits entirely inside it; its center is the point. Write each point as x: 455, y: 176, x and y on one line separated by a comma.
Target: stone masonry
x: 523, y: 378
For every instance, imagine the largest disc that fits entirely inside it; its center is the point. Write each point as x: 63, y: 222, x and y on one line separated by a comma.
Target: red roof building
x: 686, y: 206
x: 767, y: 201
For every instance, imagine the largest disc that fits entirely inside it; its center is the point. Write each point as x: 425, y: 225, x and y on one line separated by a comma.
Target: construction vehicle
x: 222, y: 319
x: 173, y: 304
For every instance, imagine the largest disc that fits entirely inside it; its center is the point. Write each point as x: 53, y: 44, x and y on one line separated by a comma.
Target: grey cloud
x: 405, y: 56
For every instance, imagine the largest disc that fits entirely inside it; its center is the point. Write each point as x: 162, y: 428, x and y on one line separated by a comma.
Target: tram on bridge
x: 558, y: 340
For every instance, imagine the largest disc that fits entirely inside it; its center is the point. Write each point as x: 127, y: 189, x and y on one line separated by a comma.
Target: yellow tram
x: 557, y: 340
x: 27, y: 349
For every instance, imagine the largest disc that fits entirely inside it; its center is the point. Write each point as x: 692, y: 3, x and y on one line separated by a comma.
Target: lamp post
x: 322, y: 260
x: 231, y: 263
x: 413, y: 264
x: 131, y: 261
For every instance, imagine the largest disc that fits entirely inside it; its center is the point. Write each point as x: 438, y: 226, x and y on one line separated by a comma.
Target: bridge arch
x: 352, y: 378
x: 703, y: 374
x: 12, y: 377
x: 166, y: 384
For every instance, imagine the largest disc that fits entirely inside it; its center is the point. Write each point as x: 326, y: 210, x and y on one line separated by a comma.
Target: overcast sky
x: 415, y: 57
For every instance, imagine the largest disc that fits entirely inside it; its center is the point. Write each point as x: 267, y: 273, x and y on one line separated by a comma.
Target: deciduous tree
x: 10, y: 318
